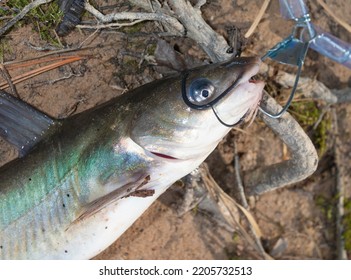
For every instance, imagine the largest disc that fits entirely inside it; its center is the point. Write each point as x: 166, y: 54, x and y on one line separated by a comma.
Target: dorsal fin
x: 21, y: 124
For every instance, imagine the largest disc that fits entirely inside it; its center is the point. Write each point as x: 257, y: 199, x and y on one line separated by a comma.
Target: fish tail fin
x: 21, y: 124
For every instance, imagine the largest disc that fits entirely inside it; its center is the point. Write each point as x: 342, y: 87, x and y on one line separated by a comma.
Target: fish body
x: 92, y: 175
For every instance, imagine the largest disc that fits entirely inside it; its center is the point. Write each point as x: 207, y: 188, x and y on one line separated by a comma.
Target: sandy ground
x: 294, y: 223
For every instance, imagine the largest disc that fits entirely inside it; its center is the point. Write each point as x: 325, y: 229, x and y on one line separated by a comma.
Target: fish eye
x: 200, y: 90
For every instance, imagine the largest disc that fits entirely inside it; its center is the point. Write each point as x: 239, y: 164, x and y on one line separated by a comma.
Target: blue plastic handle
x: 332, y: 47
x: 321, y: 41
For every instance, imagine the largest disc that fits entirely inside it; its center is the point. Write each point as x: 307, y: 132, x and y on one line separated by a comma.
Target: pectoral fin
x: 20, y: 124
x: 130, y: 189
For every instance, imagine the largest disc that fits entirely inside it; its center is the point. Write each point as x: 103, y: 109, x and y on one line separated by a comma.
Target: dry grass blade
x: 7, y: 77
x: 257, y: 19
x: 43, y: 69
x: 16, y: 64
x: 334, y: 16
x: 229, y: 206
x: 250, y: 218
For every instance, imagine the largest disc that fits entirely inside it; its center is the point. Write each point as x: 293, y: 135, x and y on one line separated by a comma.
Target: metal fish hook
x: 291, y: 51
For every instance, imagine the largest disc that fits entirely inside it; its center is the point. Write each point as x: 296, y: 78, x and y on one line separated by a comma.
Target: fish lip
x: 252, y: 68
x: 256, y: 86
x: 255, y: 68
x: 247, y: 79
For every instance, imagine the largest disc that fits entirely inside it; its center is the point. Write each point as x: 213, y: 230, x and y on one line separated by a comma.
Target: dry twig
x: 314, y: 89
x: 109, y: 25
x: 257, y: 19
x: 197, y: 29
x: 9, y: 82
x: 340, y: 242
x: 238, y: 177
x: 244, y: 201
x: 109, y: 18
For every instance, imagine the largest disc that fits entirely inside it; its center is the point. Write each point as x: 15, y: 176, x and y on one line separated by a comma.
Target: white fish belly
x: 87, y: 238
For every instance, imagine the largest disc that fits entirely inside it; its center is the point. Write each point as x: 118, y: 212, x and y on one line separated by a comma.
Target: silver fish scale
x: 52, y: 215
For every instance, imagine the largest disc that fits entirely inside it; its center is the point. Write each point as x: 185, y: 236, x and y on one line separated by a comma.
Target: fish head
x: 182, y: 117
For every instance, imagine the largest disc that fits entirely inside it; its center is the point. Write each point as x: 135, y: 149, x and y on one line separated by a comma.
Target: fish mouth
x: 250, y: 101
x: 251, y: 78
x: 257, y: 87
x: 250, y: 81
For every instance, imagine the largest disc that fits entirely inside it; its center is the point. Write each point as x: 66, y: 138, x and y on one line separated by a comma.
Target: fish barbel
x: 81, y: 182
